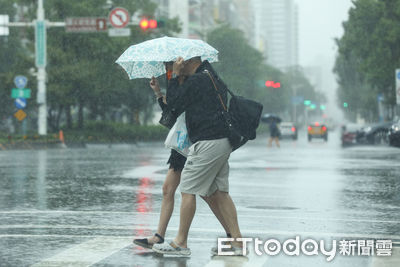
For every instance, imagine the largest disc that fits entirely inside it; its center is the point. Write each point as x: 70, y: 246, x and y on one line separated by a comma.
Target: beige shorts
x: 207, y: 169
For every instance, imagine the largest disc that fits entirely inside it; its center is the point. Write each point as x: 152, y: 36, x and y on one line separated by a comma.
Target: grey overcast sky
x: 320, y: 21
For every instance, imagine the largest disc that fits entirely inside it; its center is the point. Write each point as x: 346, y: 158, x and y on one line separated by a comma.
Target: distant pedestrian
x: 274, y: 133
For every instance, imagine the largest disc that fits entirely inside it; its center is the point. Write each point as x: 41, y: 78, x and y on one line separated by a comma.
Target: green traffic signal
x: 345, y: 105
x: 307, y: 102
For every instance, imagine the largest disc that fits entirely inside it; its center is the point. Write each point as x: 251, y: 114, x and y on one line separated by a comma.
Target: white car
x: 288, y: 130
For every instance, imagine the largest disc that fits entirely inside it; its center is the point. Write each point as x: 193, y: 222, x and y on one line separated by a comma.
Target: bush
x: 100, y: 131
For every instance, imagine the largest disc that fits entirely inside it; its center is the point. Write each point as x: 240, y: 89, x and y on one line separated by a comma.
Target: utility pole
x: 40, y: 47
x: 40, y: 25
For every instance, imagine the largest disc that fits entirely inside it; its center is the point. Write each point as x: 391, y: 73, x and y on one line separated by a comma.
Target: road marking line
x: 208, y: 230
x: 391, y: 261
x: 93, y: 236
x: 252, y: 260
x: 206, y: 214
x: 87, y: 253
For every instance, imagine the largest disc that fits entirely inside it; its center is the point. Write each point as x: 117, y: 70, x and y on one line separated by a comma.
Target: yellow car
x: 317, y: 130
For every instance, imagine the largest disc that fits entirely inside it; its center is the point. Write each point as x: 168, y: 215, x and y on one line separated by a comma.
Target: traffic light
x: 345, y: 105
x: 144, y: 24
x: 277, y: 85
x: 322, y: 107
x: 272, y: 84
x: 269, y: 83
x: 307, y: 102
x: 150, y: 24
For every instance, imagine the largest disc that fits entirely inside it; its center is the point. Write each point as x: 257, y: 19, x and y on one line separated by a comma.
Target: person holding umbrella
x: 146, y: 60
x: 206, y: 172
x: 176, y: 162
x: 274, y: 131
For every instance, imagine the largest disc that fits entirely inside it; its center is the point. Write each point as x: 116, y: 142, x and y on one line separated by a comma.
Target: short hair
x: 195, y: 59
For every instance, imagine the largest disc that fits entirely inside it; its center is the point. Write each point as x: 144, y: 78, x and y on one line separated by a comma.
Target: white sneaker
x: 171, y: 249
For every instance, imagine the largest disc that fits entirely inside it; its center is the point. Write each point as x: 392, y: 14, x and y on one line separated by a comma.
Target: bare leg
x: 277, y: 141
x: 270, y: 142
x: 228, y: 212
x: 215, y: 209
x: 188, y: 208
x: 167, y: 206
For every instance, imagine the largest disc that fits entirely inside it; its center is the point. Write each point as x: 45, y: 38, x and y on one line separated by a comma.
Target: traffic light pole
x: 41, y: 79
x: 40, y: 58
x: 40, y: 64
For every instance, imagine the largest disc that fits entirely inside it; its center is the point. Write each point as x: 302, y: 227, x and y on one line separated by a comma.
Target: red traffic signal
x: 276, y: 85
x: 272, y: 84
x: 144, y: 24
x: 150, y: 24
x: 269, y: 83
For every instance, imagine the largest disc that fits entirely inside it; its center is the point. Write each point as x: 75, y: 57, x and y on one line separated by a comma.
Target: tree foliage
x: 368, y: 55
x: 242, y: 67
x: 14, y: 61
x: 83, y: 78
x: 83, y: 81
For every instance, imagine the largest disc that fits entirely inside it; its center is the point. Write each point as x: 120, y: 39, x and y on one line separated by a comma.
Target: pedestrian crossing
x: 96, y: 248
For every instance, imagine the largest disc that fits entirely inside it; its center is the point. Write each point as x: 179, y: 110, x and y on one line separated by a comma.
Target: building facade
x: 276, y: 31
x: 175, y: 8
x: 198, y: 17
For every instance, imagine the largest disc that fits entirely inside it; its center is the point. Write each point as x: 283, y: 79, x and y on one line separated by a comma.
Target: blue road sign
x: 297, y: 99
x: 380, y: 97
x: 20, y: 103
x: 20, y: 81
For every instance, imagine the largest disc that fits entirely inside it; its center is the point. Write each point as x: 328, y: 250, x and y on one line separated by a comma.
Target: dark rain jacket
x: 198, y: 98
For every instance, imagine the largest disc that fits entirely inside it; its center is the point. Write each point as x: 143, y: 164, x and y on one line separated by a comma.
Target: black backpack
x: 242, y: 117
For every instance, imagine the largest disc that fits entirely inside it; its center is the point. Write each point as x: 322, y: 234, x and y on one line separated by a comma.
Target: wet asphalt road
x: 82, y: 207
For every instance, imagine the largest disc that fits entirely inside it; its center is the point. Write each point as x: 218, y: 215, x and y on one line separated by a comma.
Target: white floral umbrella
x: 145, y: 60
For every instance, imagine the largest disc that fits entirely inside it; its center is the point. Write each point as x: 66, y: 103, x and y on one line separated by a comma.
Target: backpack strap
x: 216, y: 89
x: 243, y: 140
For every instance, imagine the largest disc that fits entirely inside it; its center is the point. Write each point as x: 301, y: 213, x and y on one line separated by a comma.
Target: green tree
x: 368, y: 55
x: 81, y: 68
x: 15, y: 61
x: 239, y: 64
x: 243, y: 69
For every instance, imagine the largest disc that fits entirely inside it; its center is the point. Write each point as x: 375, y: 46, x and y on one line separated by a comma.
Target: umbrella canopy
x: 268, y: 118
x: 145, y: 60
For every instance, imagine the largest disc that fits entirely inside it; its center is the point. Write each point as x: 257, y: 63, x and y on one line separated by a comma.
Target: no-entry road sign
x: 119, y: 17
